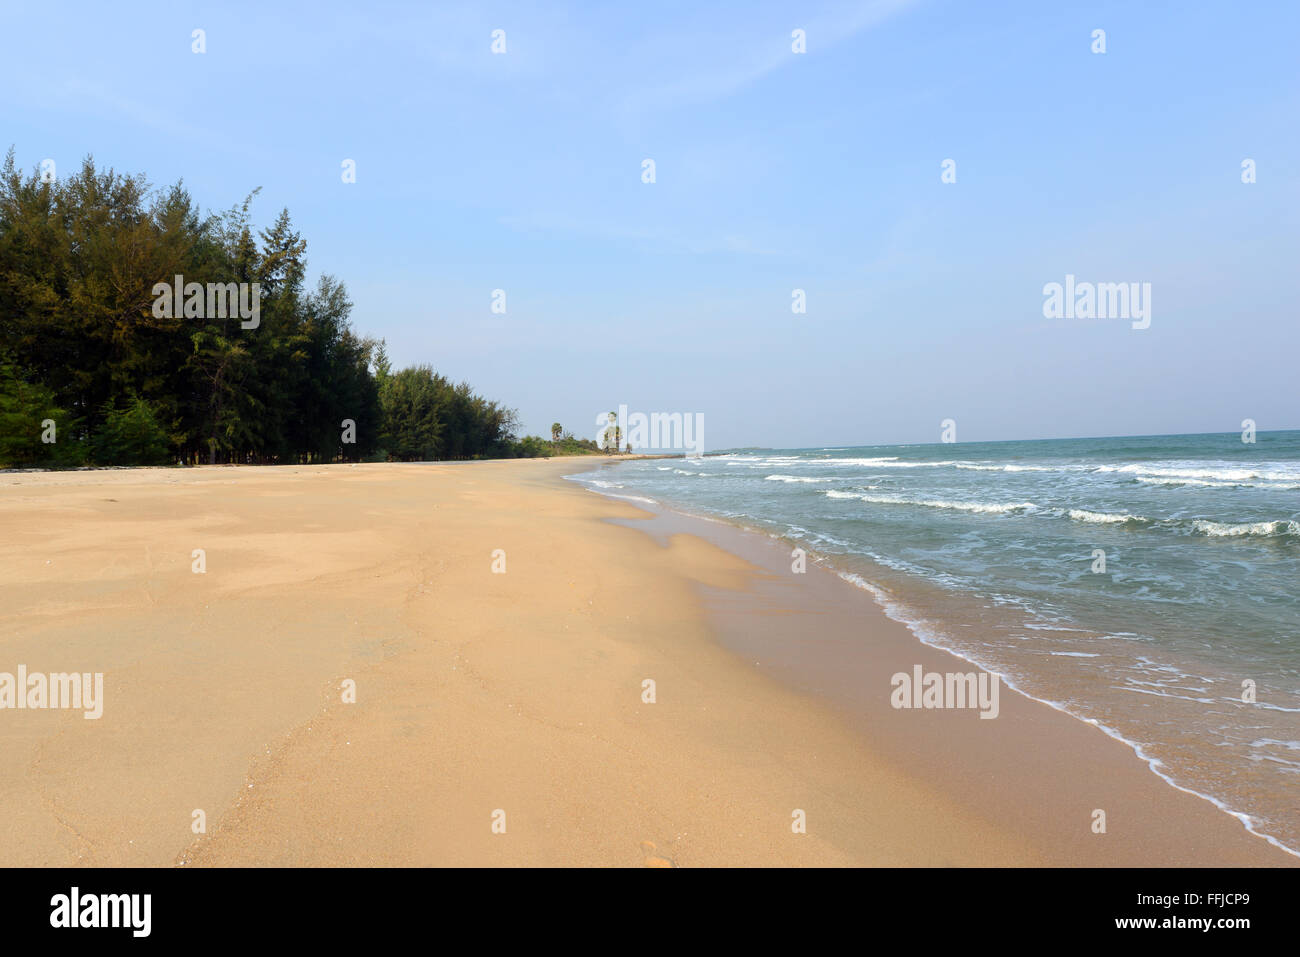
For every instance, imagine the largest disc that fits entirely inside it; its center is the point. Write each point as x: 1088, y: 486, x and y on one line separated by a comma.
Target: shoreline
x: 479, y: 692
x: 767, y: 550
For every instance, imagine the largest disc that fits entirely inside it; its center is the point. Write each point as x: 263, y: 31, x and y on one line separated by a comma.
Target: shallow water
x: 993, y: 550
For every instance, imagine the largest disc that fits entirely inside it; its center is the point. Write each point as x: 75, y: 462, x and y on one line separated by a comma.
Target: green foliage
x: 532, y: 447
x: 414, y: 414
x: 79, y: 260
x: 426, y: 417
x: 131, y: 436
x: 568, y: 445
x: 34, y: 431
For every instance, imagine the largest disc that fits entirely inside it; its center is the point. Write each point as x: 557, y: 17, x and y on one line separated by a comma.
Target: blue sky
x: 774, y: 171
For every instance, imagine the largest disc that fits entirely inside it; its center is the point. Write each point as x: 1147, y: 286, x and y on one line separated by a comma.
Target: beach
x: 445, y: 665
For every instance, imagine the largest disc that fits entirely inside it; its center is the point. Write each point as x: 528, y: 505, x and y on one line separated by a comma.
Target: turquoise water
x: 991, y: 550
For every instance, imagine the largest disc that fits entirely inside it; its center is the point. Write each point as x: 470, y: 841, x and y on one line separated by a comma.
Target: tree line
x: 94, y: 371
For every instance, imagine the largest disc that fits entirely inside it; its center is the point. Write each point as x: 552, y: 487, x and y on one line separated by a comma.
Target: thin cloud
x: 716, y: 71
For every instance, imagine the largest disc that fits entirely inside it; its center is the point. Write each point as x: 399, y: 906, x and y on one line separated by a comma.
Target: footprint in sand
x: 652, y: 856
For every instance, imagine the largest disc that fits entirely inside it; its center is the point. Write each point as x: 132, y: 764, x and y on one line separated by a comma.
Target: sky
x: 774, y: 171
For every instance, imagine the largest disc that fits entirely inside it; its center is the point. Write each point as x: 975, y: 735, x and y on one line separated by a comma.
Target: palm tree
x: 556, y: 429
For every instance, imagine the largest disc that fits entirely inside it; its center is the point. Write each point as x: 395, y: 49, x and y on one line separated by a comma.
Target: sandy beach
x: 499, y: 624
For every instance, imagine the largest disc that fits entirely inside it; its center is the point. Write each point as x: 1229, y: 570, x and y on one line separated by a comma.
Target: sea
x: 1148, y: 584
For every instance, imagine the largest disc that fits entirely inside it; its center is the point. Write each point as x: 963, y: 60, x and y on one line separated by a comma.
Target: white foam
x: 926, y: 637
x: 984, y: 508
x: 1223, y: 530
x: 1103, y: 518
x: 1164, y: 694
x: 631, y: 498
x: 1009, y: 468
x: 1206, y: 483
x: 1212, y: 471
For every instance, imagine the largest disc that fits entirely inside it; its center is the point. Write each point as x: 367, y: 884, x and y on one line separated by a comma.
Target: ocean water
x: 990, y: 550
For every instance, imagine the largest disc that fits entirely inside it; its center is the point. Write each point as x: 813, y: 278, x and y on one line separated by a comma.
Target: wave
x: 1206, y: 483
x: 971, y: 466
x: 1274, y: 529
x: 880, y: 461
x: 1203, y: 483
x: 739, y: 457
x: 795, y: 478
x: 1105, y: 518
x: 979, y: 507
x: 886, y: 462
x: 1266, y: 529
x: 1210, y: 471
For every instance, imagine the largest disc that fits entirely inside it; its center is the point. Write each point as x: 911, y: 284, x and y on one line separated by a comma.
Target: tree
x: 131, y: 436
x: 533, y: 447
x: 33, y: 430
x: 413, y: 406
x: 79, y: 262
x: 556, y: 430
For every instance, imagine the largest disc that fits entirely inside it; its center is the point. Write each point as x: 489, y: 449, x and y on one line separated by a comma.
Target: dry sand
x: 479, y: 692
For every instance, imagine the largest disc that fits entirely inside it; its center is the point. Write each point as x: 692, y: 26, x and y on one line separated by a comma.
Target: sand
x: 500, y: 717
